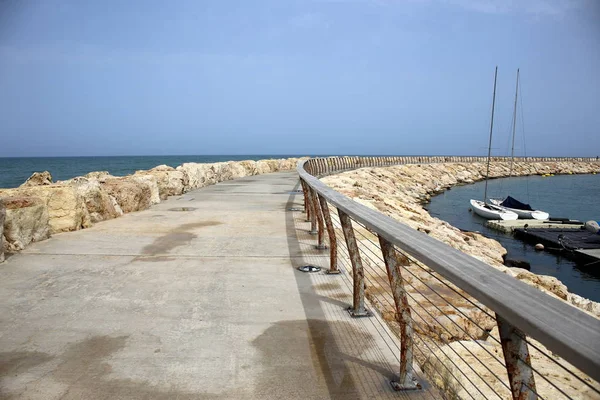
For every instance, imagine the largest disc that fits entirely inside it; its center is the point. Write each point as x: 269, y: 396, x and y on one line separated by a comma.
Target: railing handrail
x: 562, y: 328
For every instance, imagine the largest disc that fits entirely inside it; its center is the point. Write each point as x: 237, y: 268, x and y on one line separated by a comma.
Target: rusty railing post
x: 321, y: 232
x: 313, y: 214
x: 358, y: 275
x: 518, y: 363
x: 333, y: 267
x: 393, y: 264
x: 306, y: 205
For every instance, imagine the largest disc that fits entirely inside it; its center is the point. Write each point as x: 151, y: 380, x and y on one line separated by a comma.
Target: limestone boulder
x: 38, y: 179
x: 249, y: 166
x: 228, y: 171
x: 130, y: 194
x: 66, y: 207
x: 198, y: 174
x: 219, y: 172
x: 171, y: 182
x: 26, y: 220
x: 584, y: 304
x: 98, y: 175
x: 287, y: 164
x: 151, y: 182
x: 2, y: 216
x: 264, y: 167
x: 99, y: 204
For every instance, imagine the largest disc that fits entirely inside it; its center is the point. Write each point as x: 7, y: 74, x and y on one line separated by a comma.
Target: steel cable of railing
x: 529, y: 343
x: 418, y: 264
x: 349, y: 285
x: 351, y: 289
x: 472, y: 321
x: 438, y: 346
x: 476, y: 340
x: 460, y: 342
x: 570, y: 334
x: 491, y: 354
x: 432, y: 352
x: 543, y: 377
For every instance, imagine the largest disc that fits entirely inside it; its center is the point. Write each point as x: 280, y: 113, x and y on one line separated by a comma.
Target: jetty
x: 201, y: 296
x: 580, y: 244
x: 197, y: 297
x: 511, y: 226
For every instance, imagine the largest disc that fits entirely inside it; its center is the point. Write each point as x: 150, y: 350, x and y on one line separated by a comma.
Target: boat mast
x: 512, y: 151
x: 487, y: 173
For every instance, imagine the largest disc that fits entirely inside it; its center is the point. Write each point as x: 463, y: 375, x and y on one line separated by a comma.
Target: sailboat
x: 522, y: 210
x: 483, y: 208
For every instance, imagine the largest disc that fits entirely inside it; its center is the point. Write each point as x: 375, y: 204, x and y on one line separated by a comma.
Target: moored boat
x: 491, y: 211
x: 483, y: 208
x: 523, y: 211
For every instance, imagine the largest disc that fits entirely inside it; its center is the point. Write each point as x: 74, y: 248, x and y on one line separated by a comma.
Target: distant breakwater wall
x: 40, y: 207
x: 402, y: 191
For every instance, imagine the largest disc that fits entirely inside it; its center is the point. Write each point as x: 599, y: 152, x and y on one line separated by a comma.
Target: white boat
x: 491, y: 211
x: 482, y: 208
x: 523, y: 213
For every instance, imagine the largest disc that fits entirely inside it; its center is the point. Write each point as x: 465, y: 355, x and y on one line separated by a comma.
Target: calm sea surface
x: 15, y: 171
x: 568, y: 196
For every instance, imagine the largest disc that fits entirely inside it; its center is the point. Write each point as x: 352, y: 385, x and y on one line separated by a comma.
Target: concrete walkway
x: 195, y: 298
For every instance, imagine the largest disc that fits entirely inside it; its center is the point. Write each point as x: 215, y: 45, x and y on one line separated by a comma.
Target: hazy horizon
x: 365, y: 77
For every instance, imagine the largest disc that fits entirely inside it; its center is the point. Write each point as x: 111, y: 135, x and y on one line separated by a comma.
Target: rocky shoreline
x: 41, y: 207
x: 456, y: 334
x: 402, y: 191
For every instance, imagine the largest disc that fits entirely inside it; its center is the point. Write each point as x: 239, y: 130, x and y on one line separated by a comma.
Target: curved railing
x: 520, y: 311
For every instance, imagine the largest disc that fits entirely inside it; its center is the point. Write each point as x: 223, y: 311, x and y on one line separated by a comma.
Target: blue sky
x: 296, y: 76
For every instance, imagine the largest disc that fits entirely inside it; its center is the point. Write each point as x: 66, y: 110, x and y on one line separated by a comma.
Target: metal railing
x: 473, y: 330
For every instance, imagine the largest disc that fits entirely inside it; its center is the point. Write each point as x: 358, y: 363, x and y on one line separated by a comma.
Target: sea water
x: 14, y: 171
x: 565, y: 196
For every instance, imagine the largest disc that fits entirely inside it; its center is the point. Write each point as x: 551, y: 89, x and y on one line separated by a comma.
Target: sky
x: 310, y: 77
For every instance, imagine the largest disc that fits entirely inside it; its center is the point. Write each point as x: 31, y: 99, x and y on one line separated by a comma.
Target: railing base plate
x: 332, y: 272
x: 321, y: 247
x: 313, y: 232
x: 399, y: 387
x: 359, y: 314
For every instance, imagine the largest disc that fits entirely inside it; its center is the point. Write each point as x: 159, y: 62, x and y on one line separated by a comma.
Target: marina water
x: 563, y: 196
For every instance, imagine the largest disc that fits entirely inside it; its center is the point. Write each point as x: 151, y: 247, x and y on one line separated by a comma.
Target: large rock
x: 198, y: 175
x: 26, y: 221
x: 66, y: 207
x: 151, y: 182
x: 2, y: 216
x: 130, y: 194
x: 171, y: 182
x: 38, y: 179
x: 100, y: 205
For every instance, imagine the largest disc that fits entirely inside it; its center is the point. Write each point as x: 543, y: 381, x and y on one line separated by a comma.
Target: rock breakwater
x: 455, y: 333
x: 41, y: 207
x: 401, y: 192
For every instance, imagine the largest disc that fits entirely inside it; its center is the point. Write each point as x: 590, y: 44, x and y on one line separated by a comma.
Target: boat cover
x: 511, y: 202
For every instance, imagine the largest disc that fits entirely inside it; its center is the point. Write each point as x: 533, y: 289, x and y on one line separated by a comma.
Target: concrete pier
x: 195, y: 298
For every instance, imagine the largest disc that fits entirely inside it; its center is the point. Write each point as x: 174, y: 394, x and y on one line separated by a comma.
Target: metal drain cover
x: 182, y: 209
x: 309, y: 268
